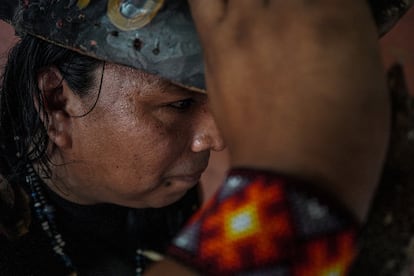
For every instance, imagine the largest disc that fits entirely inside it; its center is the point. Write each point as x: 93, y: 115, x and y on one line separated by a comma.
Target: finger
x: 207, y: 12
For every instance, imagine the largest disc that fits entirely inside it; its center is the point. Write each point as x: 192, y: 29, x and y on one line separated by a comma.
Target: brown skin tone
x: 306, y: 107
x: 145, y: 143
x: 308, y: 74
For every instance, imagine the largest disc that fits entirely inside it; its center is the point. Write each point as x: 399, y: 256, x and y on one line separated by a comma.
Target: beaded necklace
x: 45, y: 212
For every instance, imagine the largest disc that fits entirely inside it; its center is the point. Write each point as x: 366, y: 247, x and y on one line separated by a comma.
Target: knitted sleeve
x: 263, y: 223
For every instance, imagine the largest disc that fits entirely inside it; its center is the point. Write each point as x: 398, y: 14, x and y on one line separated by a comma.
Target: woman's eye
x: 182, y: 105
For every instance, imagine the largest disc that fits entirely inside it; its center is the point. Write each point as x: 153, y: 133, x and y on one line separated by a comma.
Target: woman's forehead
x: 122, y: 76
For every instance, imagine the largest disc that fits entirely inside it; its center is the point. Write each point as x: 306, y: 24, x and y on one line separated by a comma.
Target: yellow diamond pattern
x: 242, y: 223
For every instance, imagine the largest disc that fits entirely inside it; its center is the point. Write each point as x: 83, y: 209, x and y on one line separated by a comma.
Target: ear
x: 54, y: 92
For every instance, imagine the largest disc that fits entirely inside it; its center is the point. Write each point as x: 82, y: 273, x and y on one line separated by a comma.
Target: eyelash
x: 182, y: 105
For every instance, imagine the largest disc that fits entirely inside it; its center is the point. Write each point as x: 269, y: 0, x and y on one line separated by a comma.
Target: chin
x: 162, y: 196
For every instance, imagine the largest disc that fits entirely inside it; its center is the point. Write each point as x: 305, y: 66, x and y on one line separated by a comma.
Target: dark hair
x: 23, y: 136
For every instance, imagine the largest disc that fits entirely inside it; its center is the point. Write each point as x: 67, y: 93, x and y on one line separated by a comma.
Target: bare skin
x: 312, y: 102
x: 144, y: 144
x: 308, y: 74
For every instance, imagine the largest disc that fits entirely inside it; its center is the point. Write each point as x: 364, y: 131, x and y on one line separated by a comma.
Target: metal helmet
x: 156, y: 36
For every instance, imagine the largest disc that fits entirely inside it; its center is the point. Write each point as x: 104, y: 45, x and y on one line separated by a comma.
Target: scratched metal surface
x: 167, y: 46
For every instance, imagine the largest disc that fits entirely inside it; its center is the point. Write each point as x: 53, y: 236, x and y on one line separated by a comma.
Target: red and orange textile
x: 263, y: 223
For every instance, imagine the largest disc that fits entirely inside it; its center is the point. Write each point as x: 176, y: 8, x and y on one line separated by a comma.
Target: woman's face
x: 144, y: 144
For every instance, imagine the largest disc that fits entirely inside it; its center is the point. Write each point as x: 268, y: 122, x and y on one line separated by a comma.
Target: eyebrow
x: 166, y: 86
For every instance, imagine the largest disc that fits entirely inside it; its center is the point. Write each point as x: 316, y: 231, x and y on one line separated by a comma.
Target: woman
x: 100, y: 135
x: 83, y: 161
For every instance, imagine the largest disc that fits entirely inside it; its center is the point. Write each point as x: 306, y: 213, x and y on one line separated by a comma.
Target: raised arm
x: 298, y: 91
x: 298, y: 87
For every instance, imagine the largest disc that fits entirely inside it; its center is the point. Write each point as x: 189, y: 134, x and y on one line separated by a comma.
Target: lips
x: 188, y: 173
x: 185, y: 179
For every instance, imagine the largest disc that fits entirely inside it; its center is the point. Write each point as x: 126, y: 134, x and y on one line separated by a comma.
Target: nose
x: 206, y: 134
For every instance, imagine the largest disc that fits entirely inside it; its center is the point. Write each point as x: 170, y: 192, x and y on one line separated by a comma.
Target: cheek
x: 126, y: 154
x: 140, y: 156
x: 153, y: 150
x: 138, y: 173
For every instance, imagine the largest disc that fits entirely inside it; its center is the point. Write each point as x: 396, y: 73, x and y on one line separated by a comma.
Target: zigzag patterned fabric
x: 262, y: 223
